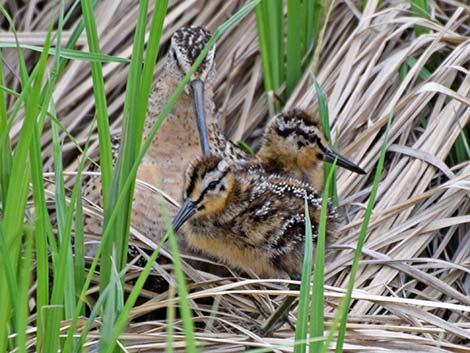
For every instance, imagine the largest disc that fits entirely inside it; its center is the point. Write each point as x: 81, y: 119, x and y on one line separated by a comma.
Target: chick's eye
x: 212, y: 185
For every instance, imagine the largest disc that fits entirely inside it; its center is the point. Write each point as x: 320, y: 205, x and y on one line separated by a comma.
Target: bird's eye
x: 212, y: 185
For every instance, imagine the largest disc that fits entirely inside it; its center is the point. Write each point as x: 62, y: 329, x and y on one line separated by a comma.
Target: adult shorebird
x: 182, y: 135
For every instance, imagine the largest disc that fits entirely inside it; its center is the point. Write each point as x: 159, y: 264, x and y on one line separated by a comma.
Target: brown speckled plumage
x: 294, y: 144
x: 249, y: 219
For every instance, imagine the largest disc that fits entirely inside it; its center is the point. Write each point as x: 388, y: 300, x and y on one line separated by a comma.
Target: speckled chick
x: 293, y: 143
x: 246, y: 218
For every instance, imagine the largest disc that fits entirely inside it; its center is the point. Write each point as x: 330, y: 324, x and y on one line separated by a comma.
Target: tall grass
x: 283, y: 64
x: 21, y: 244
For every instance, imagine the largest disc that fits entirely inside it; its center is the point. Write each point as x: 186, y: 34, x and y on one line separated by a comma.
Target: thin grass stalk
x: 22, y: 311
x: 10, y: 287
x: 25, y: 80
x: 42, y: 223
x: 181, y: 287
x: 314, y: 17
x: 325, y: 122
x: 101, y: 111
x: 61, y: 207
x: 59, y: 281
x: 123, y: 318
x: 61, y: 260
x: 97, y: 309
x: 275, y: 14
x: 79, y: 247
x: 113, y: 304
x: 301, y: 329
x: 21, y: 62
x: 317, y: 320
x: 5, y: 169
x: 104, y: 138
x: 61, y: 213
x: 295, y: 41
x: 264, y: 45
x: 320, y: 33
x: 5, y: 150
x: 67, y: 53
x: 346, y: 302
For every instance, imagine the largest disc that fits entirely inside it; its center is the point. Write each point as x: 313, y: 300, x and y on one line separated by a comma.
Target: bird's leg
x: 278, y: 317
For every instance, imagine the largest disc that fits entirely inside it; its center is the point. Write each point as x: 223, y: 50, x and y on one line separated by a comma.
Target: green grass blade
x: 16, y: 45
x: 113, y: 304
x: 72, y: 54
x: 461, y: 148
x: 344, y: 308
x: 97, y: 308
x: 301, y: 329
x: 270, y: 22
x: 18, y: 188
x: 61, y: 211
x: 123, y: 318
x: 314, y: 17
x: 325, y: 122
x: 101, y: 111
x: 185, y: 309
x: 42, y: 223
x: 245, y: 147
x: 318, y: 304
x: 64, y: 257
x: 295, y: 30
x: 79, y: 247
x: 264, y: 48
x: 104, y: 137
x: 420, y: 8
x: 22, y: 310
x: 5, y: 149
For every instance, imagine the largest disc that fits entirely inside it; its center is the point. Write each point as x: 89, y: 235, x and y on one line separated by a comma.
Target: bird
x: 184, y: 132
x: 182, y: 135
x: 248, y: 219
x: 293, y: 143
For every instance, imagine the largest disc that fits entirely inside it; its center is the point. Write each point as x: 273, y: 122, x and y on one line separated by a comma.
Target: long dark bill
x: 329, y: 155
x: 186, y: 211
x: 196, y: 89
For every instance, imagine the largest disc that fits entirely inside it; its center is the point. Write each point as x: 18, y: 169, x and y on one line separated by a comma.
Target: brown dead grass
x: 413, y: 287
